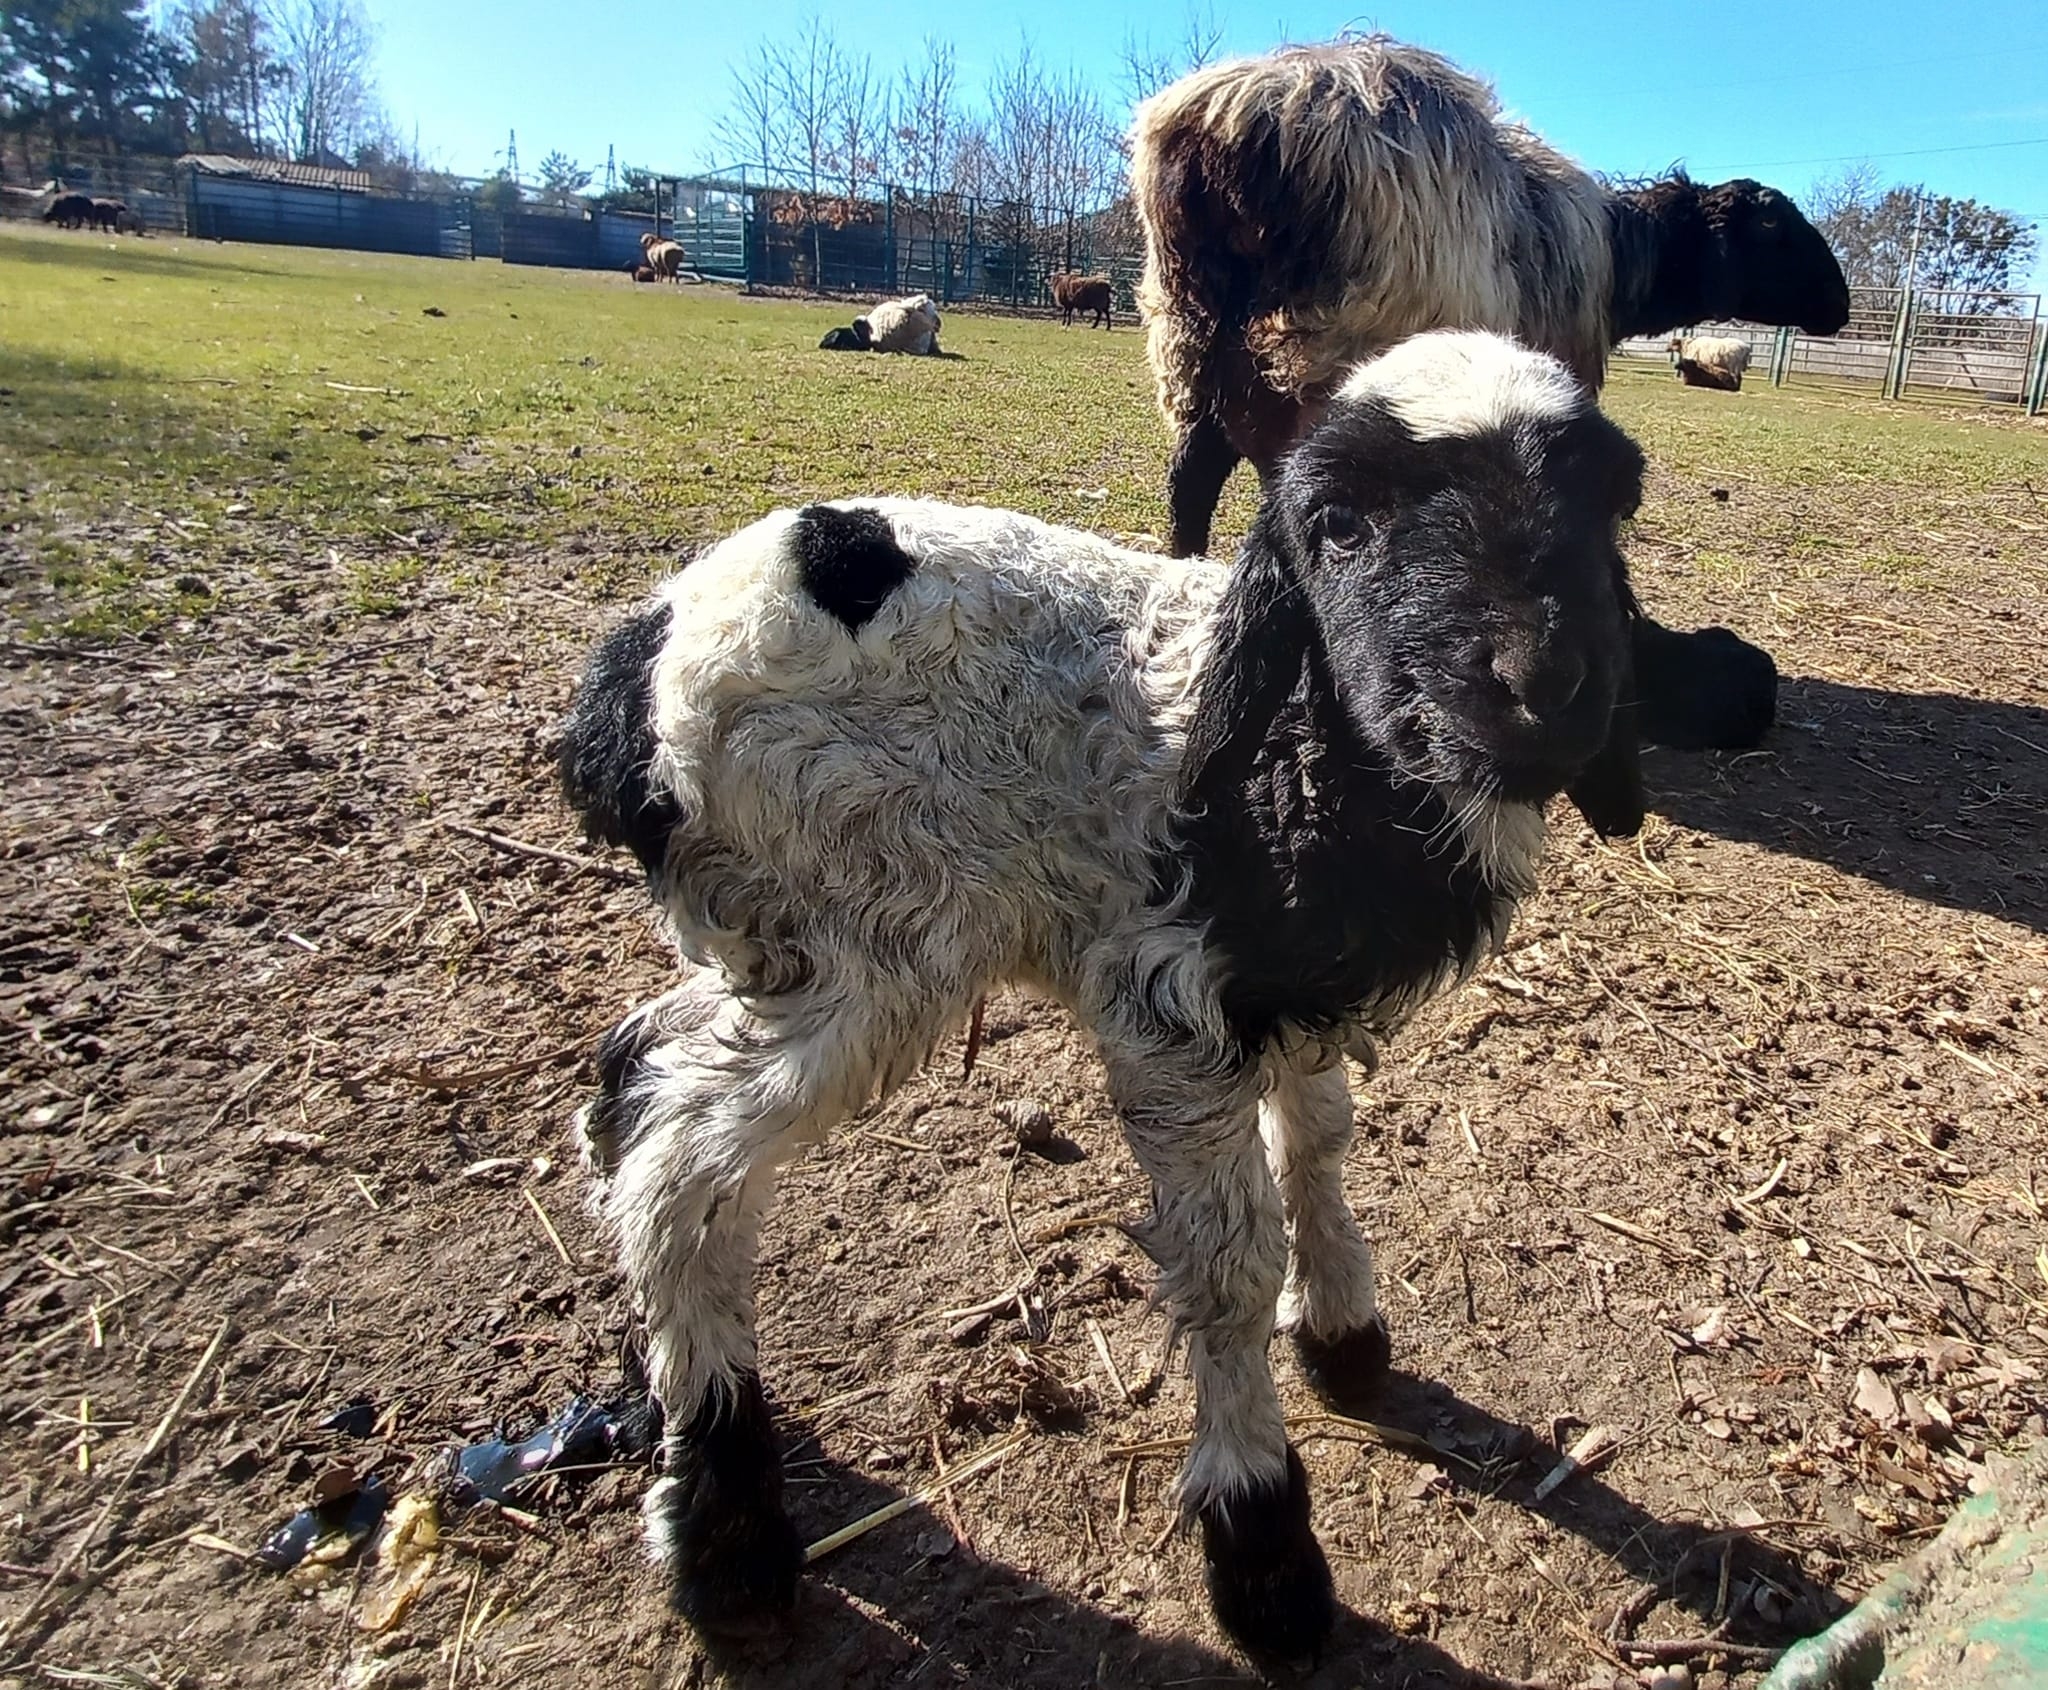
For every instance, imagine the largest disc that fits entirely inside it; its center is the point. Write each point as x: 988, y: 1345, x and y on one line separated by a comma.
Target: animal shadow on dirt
x: 1932, y: 795
x: 1682, y: 1557
x: 915, y: 1606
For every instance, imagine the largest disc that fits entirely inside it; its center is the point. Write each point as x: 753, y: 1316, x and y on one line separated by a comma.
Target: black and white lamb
x: 1307, y: 208
x: 878, y: 757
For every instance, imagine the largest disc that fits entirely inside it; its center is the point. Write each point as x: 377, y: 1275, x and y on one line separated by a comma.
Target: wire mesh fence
x: 771, y: 233
x: 1976, y: 347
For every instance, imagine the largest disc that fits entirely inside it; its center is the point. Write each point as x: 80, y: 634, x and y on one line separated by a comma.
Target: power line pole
x: 512, y: 155
x: 611, y: 171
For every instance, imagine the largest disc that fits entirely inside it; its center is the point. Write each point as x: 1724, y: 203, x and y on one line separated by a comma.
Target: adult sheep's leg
x: 702, y: 1100
x: 1329, y: 1304
x: 1219, y: 1238
x: 1201, y: 463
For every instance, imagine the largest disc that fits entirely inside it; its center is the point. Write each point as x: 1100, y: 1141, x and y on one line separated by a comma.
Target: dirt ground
x: 1736, y: 1151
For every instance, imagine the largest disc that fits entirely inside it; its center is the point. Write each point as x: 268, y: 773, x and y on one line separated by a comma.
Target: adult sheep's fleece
x: 1311, y: 207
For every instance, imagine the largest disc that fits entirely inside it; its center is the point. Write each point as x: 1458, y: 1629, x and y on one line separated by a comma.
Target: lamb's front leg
x: 1220, y: 1241
x: 1329, y: 1305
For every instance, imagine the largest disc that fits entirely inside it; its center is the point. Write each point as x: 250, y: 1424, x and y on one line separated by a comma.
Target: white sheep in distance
x: 1711, y: 360
x: 1309, y: 207
x: 878, y: 757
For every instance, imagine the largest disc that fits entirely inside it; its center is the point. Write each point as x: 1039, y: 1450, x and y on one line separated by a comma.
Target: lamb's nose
x: 1544, y: 682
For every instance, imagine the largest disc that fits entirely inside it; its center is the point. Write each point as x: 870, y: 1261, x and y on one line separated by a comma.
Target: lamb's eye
x: 1340, y: 526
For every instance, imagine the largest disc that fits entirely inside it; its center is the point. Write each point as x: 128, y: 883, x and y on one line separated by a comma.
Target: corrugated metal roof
x: 278, y: 170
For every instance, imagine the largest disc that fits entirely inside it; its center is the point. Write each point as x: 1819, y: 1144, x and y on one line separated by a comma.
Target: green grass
x: 182, y: 419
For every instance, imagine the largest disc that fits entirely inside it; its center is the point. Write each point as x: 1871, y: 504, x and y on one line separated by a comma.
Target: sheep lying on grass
x: 896, y: 325
x: 1711, y: 360
x: 878, y: 757
x: 1305, y: 209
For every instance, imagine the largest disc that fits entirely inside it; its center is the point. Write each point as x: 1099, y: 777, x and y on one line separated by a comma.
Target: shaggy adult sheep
x: 1071, y: 293
x: 1307, y: 208
x: 663, y: 256
x: 1711, y: 360
x: 877, y: 757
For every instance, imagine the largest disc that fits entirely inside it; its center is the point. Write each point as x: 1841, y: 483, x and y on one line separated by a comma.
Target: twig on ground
x: 1665, y: 1651
x: 164, y: 1427
x: 547, y: 1226
x: 521, y: 848
x: 918, y: 1498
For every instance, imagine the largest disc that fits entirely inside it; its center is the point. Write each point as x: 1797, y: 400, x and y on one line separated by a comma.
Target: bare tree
x: 927, y: 116
x: 1147, y: 69
x: 1017, y: 99
x: 324, y: 94
x: 807, y: 75
x: 753, y: 128
x: 859, y: 121
x: 971, y: 159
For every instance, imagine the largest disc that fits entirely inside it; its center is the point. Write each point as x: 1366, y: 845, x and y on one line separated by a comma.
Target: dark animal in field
x: 643, y: 272
x: 854, y: 339
x: 1093, y: 294
x: 70, y: 211
x: 108, y: 215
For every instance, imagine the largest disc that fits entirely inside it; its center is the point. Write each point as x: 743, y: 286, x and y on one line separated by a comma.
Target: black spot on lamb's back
x: 608, y: 743
x: 848, y: 560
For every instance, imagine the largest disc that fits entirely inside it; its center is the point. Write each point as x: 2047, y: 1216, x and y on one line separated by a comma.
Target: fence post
x: 1781, y: 358
x: 2037, y: 391
x: 1895, y: 365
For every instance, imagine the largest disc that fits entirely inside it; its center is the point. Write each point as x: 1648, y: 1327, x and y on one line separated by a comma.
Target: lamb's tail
x: 608, y: 744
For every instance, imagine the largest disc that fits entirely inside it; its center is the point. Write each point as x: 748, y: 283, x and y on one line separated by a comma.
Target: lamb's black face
x: 1783, y: 268
x: 1469, y: 588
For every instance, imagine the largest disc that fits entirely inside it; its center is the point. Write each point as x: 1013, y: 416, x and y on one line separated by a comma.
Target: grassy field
x: 237, y: 392
x: 1735, y: 1150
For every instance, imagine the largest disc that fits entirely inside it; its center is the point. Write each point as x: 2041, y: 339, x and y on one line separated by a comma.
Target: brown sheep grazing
x: 1073, y: 292
x: 70, y: 211
x: 643, y: 273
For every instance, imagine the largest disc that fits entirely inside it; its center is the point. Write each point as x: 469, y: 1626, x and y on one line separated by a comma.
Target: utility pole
x: 611, y: 171
x: 512, y: 155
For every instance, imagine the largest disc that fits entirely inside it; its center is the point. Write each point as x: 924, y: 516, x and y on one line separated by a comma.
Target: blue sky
x: 1776, y: 91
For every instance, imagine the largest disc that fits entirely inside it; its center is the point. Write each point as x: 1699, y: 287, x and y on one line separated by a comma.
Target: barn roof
x: 278, y: 170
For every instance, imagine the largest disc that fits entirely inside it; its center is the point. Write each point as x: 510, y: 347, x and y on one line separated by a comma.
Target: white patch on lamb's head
x: 1464, y: 381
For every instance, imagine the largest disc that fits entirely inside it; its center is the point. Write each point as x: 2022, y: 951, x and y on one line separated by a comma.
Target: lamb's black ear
x: 1260, y: 638
x: 1609, y: 790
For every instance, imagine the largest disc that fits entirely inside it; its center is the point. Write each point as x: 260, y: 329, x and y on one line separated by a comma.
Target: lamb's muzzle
x: 880, y: 757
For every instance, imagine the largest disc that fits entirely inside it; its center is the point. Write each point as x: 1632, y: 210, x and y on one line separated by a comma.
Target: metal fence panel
x: 1990, y: 348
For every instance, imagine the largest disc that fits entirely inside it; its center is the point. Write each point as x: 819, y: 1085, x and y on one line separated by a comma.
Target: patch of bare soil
x: 1735, y: 1152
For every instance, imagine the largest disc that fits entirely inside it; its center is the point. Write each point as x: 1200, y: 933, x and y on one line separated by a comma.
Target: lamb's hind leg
x: 1220, y: 1242
x: 1329, y: 1305
x: 703, y: 1100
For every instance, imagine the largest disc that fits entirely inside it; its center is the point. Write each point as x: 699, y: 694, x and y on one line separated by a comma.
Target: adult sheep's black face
x: 1444, y: 544
x: 1780, y: 267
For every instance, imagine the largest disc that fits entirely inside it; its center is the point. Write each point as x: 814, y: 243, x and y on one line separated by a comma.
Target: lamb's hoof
x: 735, y: 1575
x: 1349, y: 1369
x: 1268, y: 1580
x: 716, y: 1521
